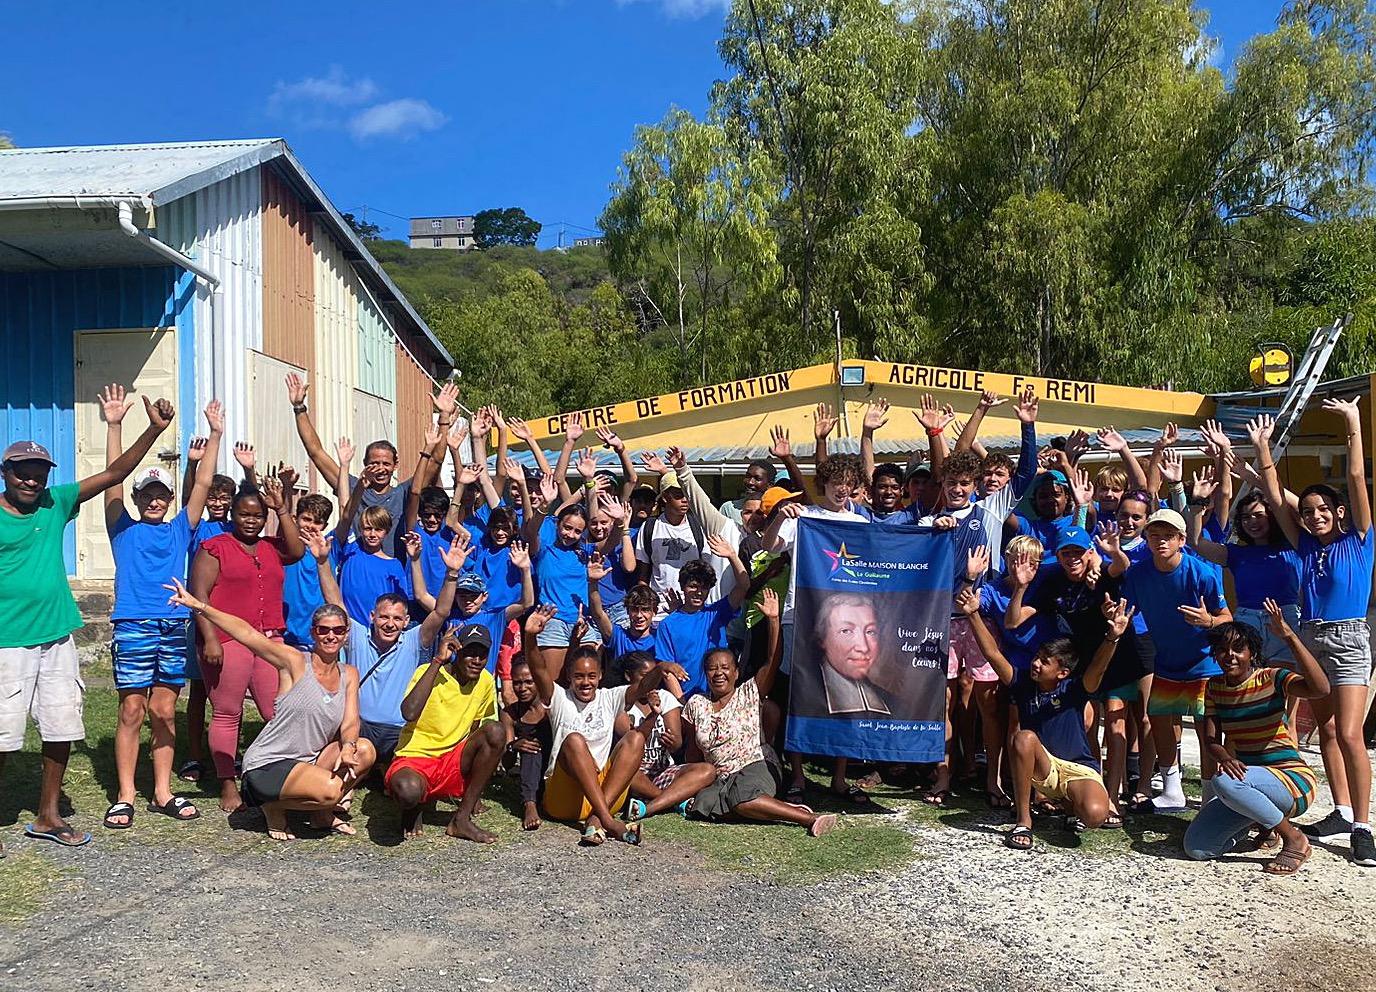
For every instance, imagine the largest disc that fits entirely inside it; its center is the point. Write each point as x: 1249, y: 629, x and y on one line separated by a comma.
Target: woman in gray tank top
x: 309, y: 756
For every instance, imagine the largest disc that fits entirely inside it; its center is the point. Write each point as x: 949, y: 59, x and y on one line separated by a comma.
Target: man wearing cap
x: 1180, y: 597
x: 470, y: 607
x: 385, y: 651
x: 38, y: 613
x: 452, y: 741
x: 148, y: 646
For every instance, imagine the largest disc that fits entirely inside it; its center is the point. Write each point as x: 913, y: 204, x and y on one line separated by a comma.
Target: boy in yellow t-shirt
x: 452, y: 741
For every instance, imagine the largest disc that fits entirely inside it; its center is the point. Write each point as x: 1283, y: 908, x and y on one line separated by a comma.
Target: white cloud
x: 404, y: 118
x: 688, y: 9
x: 337, y: 101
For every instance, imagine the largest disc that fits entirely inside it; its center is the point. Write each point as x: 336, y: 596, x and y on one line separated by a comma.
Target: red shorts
x: 443, y: 775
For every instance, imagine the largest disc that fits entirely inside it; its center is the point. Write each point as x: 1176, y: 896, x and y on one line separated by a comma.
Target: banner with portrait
x: 871, y: 611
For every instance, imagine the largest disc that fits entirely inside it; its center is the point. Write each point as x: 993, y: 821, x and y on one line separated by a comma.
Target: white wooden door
x: 146, y: 362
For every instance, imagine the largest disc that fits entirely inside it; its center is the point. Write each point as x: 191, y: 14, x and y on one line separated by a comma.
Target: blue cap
x: 1073, y: 537
x: 471, y: 582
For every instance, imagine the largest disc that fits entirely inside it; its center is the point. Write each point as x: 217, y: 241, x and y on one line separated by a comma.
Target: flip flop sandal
x: 632, y: 835
x: 593, y: 836
x: 1015, y: 838
x: 175, y: 808
x: 998, y: 800
x: 635, y: 810
x: 1075, y: 825
x: 119, y: 809
x: 190, y: 771
x: 1287, y: 862
x: 937, y: 798
x: 823, y: 825
x: 793, y: 792
x: 67, y: 837
x: 1112, y: 822
x: 855, y: 796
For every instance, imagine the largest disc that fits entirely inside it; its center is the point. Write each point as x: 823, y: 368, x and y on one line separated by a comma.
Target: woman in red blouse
x: 240, y: 572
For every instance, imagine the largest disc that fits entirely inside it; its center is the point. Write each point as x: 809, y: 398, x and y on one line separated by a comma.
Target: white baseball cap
x: 153, y: 474
x: 1168, y: 517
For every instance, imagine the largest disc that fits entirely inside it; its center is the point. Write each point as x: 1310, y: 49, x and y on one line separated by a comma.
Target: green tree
x: 504, y: 226
x: 689, y: 224
x: 365, y: 230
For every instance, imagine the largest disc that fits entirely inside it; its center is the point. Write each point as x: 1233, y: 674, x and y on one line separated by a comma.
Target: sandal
x: 997, y: 799
x: 870, y: 781
x: 936, y: 798
x: 593, y: 836
x: 635, y: 810
x: 631, y: 835
x: 1112, y: 822
x: 65, y: 835
x: 823, y: 825
x: 1287, y: 862
x: 119, y: 809
x: 190, y: 771
x: 853, y: 795
x: 1019, y: 838
x: 176, y: 808
x: 794, y: 791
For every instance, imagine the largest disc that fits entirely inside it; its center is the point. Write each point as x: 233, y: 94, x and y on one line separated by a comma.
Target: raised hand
x: 548, y: 488
x: 245, y: 455
x: 539, y: 619
x: 823, y: 421
x: 469, y: 474
x: 1076, y: 445
x: 1026, y: 406
x: 458, y: 551
x: 876, y: 414
x: 456, y: 436
x: 719, y: 546
x: 160, y: 412
x: 611, y: 439
x: 447, y: 400
x: 988, y: 399
x: 1170, y: 434
x: 977, y: 563
x: 512, y: 469
x: 932, y: 417
x: 215, y: 416
x: 1172, y: 466
x: 768, y: 605
x: 653, y: 463
x: 613, y: 508
x: 1349, y: 409
x: 580, y: 628
x: 296, y: 389
x: 574, y: 429
x: 344, y: 452
x: 519, y: 428
x: 411, y: 542
x: 1276, y: 619
x: 271, y: 491
x: 1259, y: 432
x: 1109, y: 538
x: 482, y: 423
x: 967, y: 602
x: 180, y: 597
x: 1203, y: 483
x: 195, y: 449
x: 779, y: 445
x: 587, y: 464
x: 1081, y: 489
x: 1118, y: 614
x: 677, y: 459
x: 319, y: 545
x: 597, y: 568
x: 432, y: 436
x: 1213, y: 433
x: 1023, y: 569
x: 1111, y: 440
x: 1197, y: 616
x: 674, y: 599
x: 289, y: 477
x: 520, y: 554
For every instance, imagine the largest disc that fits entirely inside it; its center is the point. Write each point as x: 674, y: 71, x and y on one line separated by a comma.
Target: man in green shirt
x: 38, y: 612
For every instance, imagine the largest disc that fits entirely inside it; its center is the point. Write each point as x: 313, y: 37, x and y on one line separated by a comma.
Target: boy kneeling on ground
x: 1051, y: 752
x: 452, y: 741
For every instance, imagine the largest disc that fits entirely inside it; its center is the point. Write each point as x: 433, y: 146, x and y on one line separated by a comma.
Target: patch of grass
x: 28, y: 881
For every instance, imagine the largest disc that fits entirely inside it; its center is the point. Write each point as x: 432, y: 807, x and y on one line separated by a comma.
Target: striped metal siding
x: 413, y: 407
x: 40, y: 313
x: 288, y: 275
x: 221, y: 227
x: 335, y: 374
x: 377, y: 359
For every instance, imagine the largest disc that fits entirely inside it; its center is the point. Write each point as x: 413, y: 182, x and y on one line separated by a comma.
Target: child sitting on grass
x: 529, y: 740
x: 661, y: 784
x: 1051, y: 751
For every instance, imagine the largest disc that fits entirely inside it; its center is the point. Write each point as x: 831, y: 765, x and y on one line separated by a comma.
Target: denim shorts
x: 556, y: 634
x: 1343, y: 649
x: 146, y: 653
x: 1273, y: 649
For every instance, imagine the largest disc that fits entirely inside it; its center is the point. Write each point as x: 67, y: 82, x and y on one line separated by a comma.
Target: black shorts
x: 383, y: 738
x: 264, y: 785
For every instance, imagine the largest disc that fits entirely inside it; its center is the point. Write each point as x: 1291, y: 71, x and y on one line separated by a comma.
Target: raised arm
x: 205, y: 472
x: 781, y: 448
x: 934, y: 420
x: 1110, y: 543
x: 454, y: 558
x: 420, y: 592
x: 823, y: 423
x: 278, y: 655
x: 629, y: 478
x: 293, y: 548
x: 536, y: 517
x: 723, y: 548
x: 770, y: 607
x: 1287, y: 516
x: 1025, y: 407
x: 349, y: 507
x: 520, y: 429
x: 987, y: 401
x: 113, y: 406
x: 1169, y: 435
x: 1201, y: 501
x: 1111, y: 440
x: 1022, y: 569
x: 1357, y: 496
x: 329, y: 586
x: 1119, y: 617
x: 520, y: 558
x: 597, y: 571
x: 538, y: 619
x: 414, y: 704
x: 248, y: 462
x: 160, y: 415
x: 876, y: 416
x: 573, y: 430
x: 713, y: 520
x: 967, y: 601
x: 320, y: 458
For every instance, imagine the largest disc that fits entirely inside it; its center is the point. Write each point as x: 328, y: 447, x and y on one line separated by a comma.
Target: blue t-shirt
x: 895, y: 518
x: 1337, y: 576
x: 207, y: 529
x: 147, y: 555
x: 1137, y: 554
x: 563, y: 576
x: 503, y: 578
x: 1057, y: 718
x: 1182, y: 649
x: 1045, y: 530
x: 496, y: 623
x: 432, y: 566
x: 687, y: 637
x: 301, y: 597
x: 1020, y: 646
x: 1262, y: 570
x: 364, y: 577
x: 621, y: 642
x: 614, y: 585
x: 381, y: 693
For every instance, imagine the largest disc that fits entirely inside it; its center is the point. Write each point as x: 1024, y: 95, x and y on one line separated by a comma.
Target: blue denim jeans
x: 1273, y: 649
x: 1260, y: 798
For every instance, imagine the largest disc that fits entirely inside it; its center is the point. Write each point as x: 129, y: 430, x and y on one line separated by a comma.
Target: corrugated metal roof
x: 161, y: 173
x: 125, y: 170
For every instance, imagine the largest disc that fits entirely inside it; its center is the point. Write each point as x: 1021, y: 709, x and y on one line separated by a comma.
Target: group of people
x: 624, y: 647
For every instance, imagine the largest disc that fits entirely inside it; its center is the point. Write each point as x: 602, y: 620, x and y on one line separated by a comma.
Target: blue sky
x: 474, y: 104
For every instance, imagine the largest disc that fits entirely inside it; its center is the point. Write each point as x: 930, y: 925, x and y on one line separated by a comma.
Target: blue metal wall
x: 40, y: 313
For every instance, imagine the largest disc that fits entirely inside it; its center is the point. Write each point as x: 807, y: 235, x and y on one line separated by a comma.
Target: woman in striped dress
x: 1261, y: 780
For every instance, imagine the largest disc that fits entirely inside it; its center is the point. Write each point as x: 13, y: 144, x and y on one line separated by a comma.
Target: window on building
x: 439, y: 242
x: 436, y: 225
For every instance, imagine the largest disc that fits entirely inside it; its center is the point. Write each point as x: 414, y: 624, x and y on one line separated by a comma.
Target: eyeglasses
x: 336, y: 631
x: 1321, y: 566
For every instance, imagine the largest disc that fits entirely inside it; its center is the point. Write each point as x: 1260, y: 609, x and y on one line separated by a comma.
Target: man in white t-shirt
x: 838, y: 479
x: 675, y: 538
